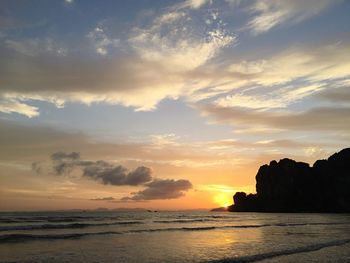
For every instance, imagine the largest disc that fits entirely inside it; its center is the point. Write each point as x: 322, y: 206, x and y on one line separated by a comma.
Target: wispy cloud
x: 36, y: 46
x: 325, y: 118
x: 280, y: 98
x: 193, y: 4
x: 180, y: 49
x: 16, y: 106
x: 101, y: 41
x: 272, y: 13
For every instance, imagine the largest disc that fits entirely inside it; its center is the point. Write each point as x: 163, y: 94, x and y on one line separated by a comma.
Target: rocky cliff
x: 290, y: 186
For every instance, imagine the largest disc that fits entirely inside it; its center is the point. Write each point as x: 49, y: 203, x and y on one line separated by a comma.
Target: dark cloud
x: 110, y: 174
x: 64, y: 163
x: 117, y: 175
x: 140, y: 174
x: 322, y: 118
x: 61, y: 156
x: 36, y: 167
x: 161, y: 189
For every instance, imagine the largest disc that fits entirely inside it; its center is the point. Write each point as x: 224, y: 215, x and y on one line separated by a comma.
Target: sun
x: 223, y: 199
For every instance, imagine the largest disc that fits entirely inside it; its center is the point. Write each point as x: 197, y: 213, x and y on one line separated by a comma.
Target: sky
x: 165, y: 104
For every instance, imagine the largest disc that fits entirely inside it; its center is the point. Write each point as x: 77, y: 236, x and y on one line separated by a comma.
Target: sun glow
x: 223, y: 199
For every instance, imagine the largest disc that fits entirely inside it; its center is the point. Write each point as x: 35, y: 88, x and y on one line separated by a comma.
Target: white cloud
x: 179, y: 49
x: 287, y: 77
x: 318, y: 63
x: 167, y: 18
x: 179, y: 64
x: 272, y: 13
x: 12, y: 105
x: 169, y: 59
x: 160, y: 58
x: 281, y: 98
x: 197, y: 3
x: 247, y: 101
x: 193, y: 4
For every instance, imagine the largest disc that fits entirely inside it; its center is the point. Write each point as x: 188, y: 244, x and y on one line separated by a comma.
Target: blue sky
x: 190, y: 88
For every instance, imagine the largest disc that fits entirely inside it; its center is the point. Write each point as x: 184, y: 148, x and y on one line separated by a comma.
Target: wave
x: 30, y: 237
x: 172, y: 229
x: 66, y: 226
x: 63, y: 219
x: 228, y: 216
x: 286, y: 252
x: 183, y: 221
x: 25, y: 237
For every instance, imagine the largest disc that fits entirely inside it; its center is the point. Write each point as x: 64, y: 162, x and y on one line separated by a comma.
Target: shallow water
x: 173, y: 237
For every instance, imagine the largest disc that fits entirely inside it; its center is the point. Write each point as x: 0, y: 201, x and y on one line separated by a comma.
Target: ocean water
x: 173, y: 237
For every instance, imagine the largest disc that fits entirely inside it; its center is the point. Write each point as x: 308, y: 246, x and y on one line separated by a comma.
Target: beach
x: 173, y: 237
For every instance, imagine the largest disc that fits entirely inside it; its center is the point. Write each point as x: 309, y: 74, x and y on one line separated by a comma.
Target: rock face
x: 290, y: 186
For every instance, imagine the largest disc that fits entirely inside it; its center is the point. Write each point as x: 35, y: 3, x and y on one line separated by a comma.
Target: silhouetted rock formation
x: 290, y: 186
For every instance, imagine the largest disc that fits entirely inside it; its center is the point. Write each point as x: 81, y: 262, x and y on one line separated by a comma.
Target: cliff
x: 290, y: 186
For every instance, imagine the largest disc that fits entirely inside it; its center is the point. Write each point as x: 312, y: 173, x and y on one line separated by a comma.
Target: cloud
x: 101, y: 41
x: 272, y: 13
x: 338, y: 94
x: 280, y: 98
x: 180, y: 49
x: 173, y: 56
x: 103, y: 199
x: 36, y: 167
x: 15, y: 106
x: 321, y: 118
x: 154, y: 65
x: 192, y: 4
x: 280, y: 143
x: 36, y: 46
x: 64, y: 162
x: 104, y: 172
x: 308, y: 63
x: 160, y: 189
x: 197, y: 3
x: 117, y: 175
x: 285, y: 78
x: 61, y: 156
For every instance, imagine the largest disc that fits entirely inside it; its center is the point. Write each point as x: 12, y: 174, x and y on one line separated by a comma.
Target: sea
x: 151, y: 236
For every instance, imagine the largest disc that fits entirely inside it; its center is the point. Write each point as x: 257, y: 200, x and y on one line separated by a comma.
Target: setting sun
x: 223, y: 199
